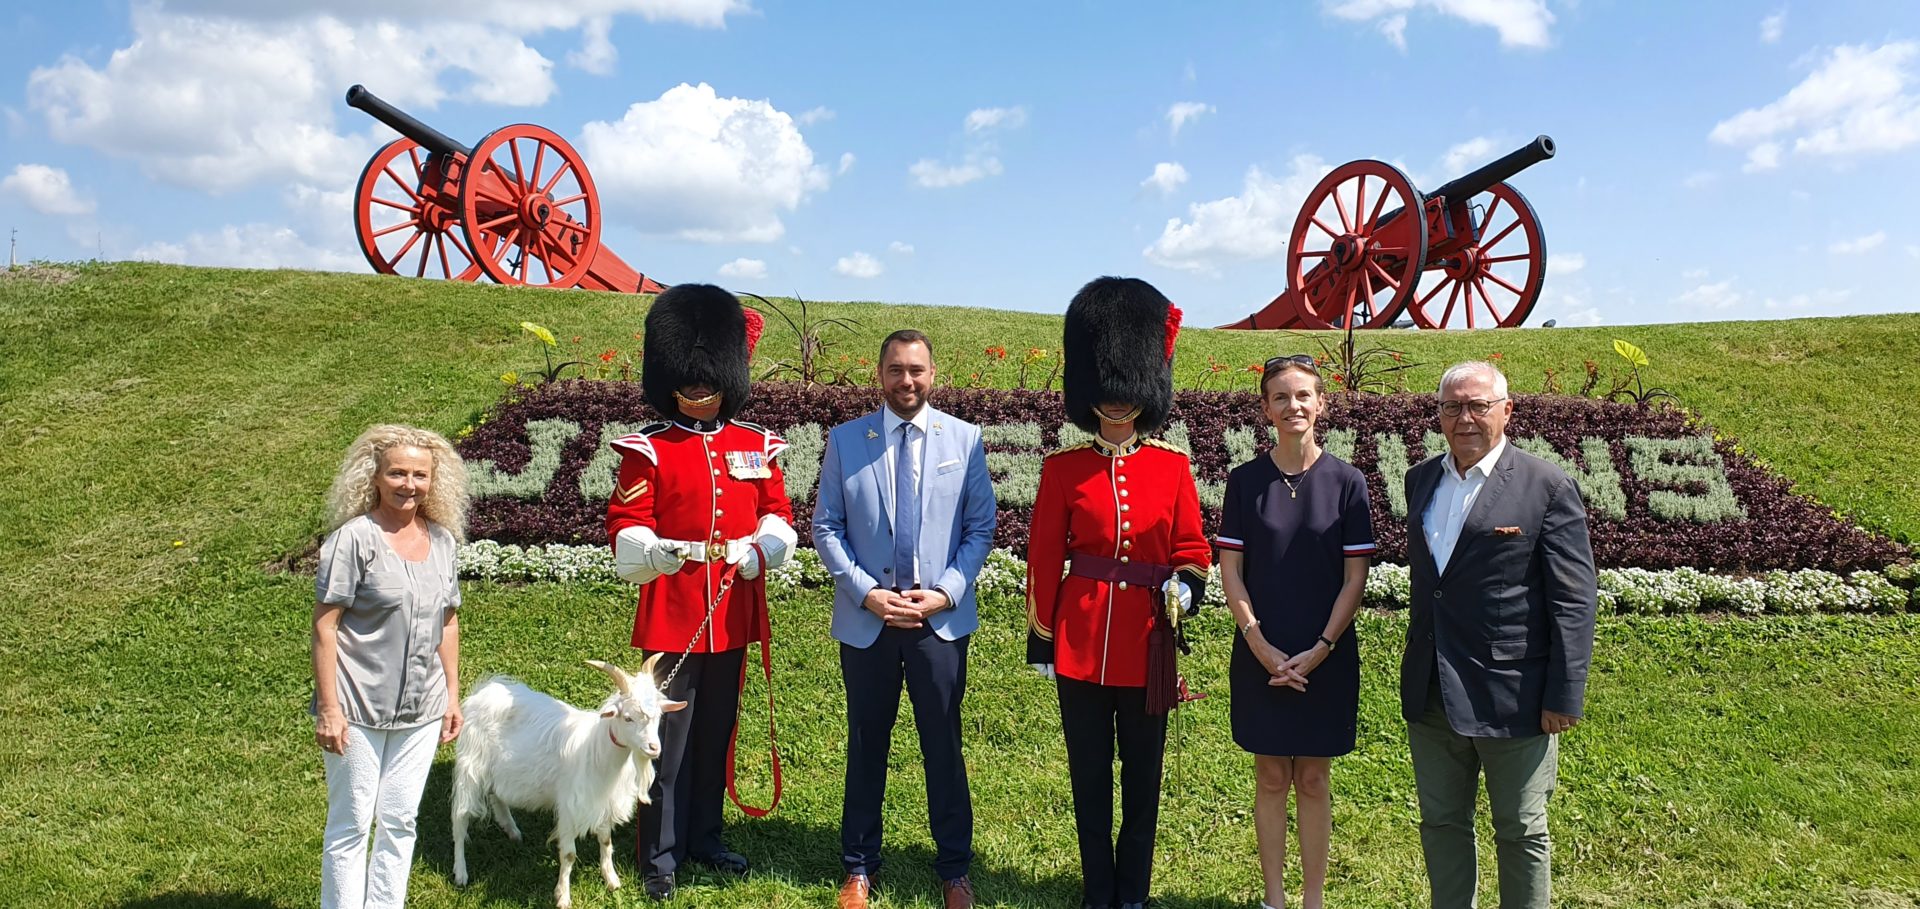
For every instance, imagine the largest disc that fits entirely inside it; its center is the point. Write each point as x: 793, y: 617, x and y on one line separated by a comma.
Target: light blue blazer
x: 853, y: 527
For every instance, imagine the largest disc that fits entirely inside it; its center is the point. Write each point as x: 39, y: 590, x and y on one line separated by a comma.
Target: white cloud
x: 1565, y: 263
x: 858, y: 265
x: 1166, y: 177
x: 1467, y: 155
x: 1858, y: 245
x: 1694, y: 274
x: 1700, y: 179
x: 253, y: 246
x: 846, y: 163
x: 1567, y: 308
x: 1183, y: 113
x: 1822, y: 301
x: 1252, y: 226
x: 1913, y: 251
x: 46, y: 190
x: 1719, y: 295
x: 702, y: 167
x: 597, y: 54
x: 530, y: 17
x: 1856, y: 102
x: 1772, y: 27
x: 935, y: 175
x: 744, y: 268
x: 1521, y: 23
x: 814, y: 115
x: 900, y: 249
x: 991, y: 118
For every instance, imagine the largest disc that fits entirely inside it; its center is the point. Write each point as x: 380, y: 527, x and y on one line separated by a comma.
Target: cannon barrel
x: 1513, y: 162
x: 404, y: 123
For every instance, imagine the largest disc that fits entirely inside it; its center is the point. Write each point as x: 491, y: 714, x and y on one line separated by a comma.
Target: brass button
x: 1123, y: 585
x: 1120, y: 479
x: 1126, y: 544
x: 1123, y: 493
x: 1126, y: 525
x: 1123, y: 558
x: 713, y: 454
x: 716, y: 512
x: 1125, y: 507
x: 716, y: 471
x: 716, y: 535
x: 1119, y: 462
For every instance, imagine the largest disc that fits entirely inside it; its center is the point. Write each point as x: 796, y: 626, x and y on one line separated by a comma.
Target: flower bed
x: 1664, y: 492
x: 1622, y: 590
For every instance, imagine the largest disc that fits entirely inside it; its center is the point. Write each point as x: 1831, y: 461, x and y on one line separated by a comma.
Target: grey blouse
x: 388, y: 673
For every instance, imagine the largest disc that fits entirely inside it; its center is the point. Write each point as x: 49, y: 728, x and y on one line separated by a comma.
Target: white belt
x: 726, y: 552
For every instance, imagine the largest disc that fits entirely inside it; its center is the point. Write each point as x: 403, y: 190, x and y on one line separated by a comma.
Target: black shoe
x: 723, y: 862
x: 659, y: 886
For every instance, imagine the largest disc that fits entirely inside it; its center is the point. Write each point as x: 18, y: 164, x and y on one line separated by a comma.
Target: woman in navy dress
x: 1295, y: 543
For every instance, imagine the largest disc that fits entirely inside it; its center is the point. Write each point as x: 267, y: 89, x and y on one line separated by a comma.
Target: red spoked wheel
x: 404, y: 215
x: 1493, y: 281
x: 530, y: 188
x: 1357, y: 247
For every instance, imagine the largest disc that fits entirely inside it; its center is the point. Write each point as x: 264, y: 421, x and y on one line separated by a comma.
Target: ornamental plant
x: 547, y: 345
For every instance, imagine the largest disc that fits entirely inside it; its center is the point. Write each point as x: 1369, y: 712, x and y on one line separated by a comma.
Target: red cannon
x: 519, y: 208
x: 1348, y: 264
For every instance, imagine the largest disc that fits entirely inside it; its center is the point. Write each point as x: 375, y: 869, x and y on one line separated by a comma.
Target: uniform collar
x: 701, y: 427
x: 1111, y: 450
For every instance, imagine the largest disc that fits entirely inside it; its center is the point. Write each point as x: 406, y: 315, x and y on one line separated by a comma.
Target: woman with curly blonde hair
x: 386, y: 652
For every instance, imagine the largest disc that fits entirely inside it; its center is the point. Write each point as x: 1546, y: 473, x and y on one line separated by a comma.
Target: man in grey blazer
x: 903, y: 521
x: 1499, y: 638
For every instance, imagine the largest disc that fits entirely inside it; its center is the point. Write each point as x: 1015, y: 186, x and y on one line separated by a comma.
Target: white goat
x: 523, y: 749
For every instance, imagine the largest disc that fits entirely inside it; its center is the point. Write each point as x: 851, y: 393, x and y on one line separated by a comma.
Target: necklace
x: 1293, y: 492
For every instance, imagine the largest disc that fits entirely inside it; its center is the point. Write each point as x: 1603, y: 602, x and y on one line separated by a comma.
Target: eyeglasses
x: 1305, y: 360
x: 1479, y: 408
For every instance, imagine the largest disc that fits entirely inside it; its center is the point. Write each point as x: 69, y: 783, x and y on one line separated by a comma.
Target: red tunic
x: 1134, y: 505
x: 698, y: 487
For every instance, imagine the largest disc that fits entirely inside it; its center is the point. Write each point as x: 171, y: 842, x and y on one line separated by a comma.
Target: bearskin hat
x: 1118, y: 342
x: 697, y: 334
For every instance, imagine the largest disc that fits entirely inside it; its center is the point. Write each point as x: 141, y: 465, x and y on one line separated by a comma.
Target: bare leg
x: 1273, y: 777
x: 1313, y: 800
x: 606, y: 857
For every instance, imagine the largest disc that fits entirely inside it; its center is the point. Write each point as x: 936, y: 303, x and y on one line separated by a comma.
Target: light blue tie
x: 906, y: 508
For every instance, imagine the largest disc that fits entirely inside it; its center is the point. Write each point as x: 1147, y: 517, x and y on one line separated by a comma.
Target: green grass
x: 154, y: 749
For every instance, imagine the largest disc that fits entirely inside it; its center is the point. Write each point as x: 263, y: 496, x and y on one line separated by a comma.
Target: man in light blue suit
x: 904, y: 520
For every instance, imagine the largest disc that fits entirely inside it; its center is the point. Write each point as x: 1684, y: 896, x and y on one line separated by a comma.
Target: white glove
x: 1045, y: 669
x: 1174, y: 587
x: 777, y: 541
x: 749, y: 563
x: 640, y: 556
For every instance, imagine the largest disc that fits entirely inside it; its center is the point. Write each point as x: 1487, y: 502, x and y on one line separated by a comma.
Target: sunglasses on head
x: 1305, y: 360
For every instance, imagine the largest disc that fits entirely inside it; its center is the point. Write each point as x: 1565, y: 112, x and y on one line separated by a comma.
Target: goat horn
x: 618, y: 675
x: 647, y: 668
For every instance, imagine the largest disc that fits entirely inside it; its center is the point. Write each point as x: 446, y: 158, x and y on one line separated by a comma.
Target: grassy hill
x: 171, y: 431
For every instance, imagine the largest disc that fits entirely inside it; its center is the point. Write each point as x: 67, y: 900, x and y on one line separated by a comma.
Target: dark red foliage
x: 1783, y: 529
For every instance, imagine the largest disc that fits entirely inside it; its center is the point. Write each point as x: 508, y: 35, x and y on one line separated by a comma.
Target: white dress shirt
x: 1453, y: 500
x: 890, y: 423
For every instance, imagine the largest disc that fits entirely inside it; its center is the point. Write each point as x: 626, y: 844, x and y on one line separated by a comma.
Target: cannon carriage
x: 1356, y: 258
x: 519, y: 208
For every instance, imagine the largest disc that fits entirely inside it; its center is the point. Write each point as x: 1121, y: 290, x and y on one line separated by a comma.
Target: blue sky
x: 1717, y: 161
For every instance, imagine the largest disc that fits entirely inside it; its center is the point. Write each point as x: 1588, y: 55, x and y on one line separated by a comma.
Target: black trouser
x: 691, y: 773
x: 935, y: 672
x: 1094, y: 717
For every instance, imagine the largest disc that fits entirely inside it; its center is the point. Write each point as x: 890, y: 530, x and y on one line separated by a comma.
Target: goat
x: 523, y: 749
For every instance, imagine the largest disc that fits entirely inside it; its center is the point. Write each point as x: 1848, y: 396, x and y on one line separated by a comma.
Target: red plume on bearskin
x: 1173, y: 328
x: 757, y: 323
x: 1113, y: 330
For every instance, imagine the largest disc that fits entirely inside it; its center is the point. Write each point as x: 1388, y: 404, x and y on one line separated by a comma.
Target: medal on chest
x: 748, y: 465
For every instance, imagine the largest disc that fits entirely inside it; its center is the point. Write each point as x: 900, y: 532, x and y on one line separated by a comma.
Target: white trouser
x: 376, y: 784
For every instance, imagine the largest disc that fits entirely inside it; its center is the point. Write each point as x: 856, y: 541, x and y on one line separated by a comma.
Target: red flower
x: 1255, y: 367
x: 1496, y: 355
x: 997, y: 352
x: 608, y: 356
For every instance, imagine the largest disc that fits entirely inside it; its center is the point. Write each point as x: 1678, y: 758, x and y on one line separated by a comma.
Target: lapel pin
x: 872, y: 435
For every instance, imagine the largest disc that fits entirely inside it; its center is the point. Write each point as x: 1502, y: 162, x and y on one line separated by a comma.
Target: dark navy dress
x: 1294, y: 543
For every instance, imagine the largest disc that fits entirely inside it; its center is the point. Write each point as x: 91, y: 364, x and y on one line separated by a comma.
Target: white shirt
x: 890, y: 422
x: 1453, y: 500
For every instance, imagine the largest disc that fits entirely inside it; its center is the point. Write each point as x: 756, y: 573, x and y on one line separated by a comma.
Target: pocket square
x: 946, y: 464
x: 1506, y: 531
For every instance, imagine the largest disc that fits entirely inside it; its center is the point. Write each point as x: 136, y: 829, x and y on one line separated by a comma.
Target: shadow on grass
x: 800, y: 854
x: 199, y: 901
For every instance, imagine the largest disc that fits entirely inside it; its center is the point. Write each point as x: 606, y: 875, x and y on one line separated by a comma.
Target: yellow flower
x: 179, y: 543
x: 509, y: 378
x: 539, y: 331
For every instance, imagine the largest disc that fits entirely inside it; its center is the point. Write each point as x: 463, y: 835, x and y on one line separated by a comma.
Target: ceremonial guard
x: 699, y: 514
x: 1116, y: 556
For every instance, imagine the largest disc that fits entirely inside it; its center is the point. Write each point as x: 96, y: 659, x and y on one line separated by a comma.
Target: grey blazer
x: 1510, y: 622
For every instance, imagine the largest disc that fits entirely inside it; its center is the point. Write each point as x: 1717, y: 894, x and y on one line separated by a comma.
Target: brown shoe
x: 958, y: 893
x: 854, y: 892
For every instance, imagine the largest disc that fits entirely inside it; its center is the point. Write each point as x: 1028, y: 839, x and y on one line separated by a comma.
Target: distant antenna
x: 13, y: 246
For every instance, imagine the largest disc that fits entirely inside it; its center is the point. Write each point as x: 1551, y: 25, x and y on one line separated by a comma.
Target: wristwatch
x: 1323, y: 640
x: 1249, y: 627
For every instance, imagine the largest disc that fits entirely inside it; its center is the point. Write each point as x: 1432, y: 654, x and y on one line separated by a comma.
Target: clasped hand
x: 1286, y: 671
x: 908, y: 609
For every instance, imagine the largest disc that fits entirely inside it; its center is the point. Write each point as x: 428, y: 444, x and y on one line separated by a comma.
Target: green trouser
x: 1520, y: 776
